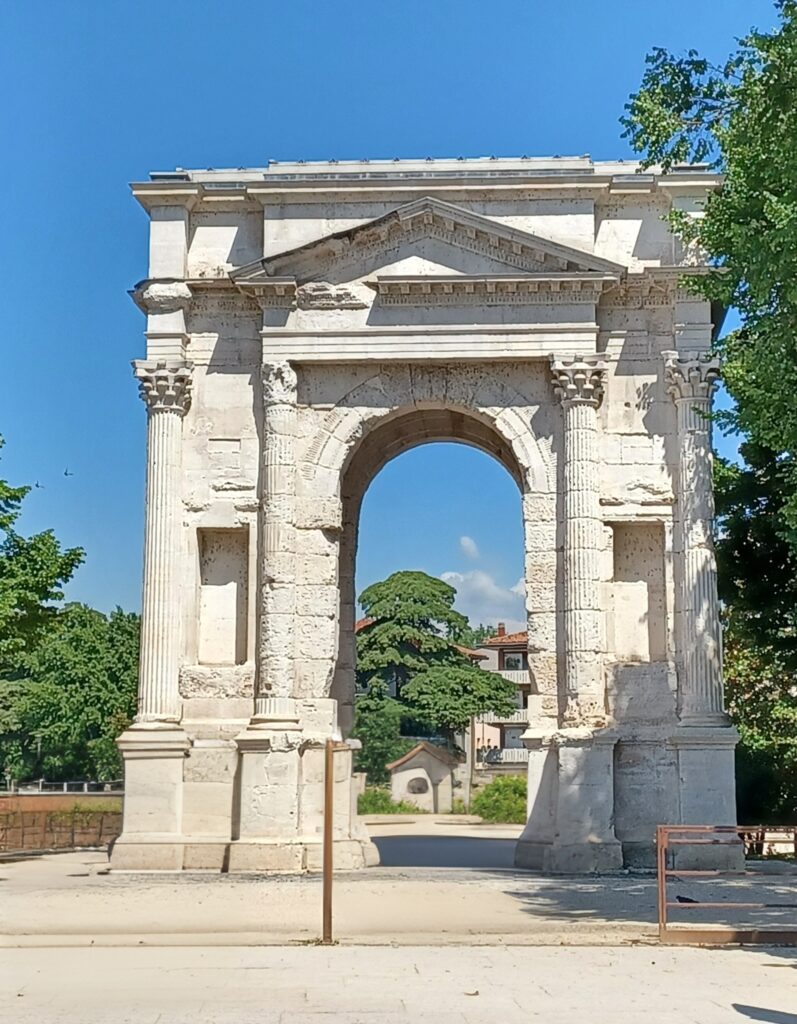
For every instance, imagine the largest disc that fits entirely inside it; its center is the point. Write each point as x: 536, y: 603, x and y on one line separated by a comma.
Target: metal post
x: 329, y: 784
x: 661, y: 879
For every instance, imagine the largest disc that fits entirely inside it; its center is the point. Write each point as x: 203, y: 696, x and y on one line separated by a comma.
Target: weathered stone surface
x: 538, y: 325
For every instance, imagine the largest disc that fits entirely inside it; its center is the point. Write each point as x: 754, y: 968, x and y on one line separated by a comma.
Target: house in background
x: 506, y: 653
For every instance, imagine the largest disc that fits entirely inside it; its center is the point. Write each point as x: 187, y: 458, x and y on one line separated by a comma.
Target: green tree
x: 742, y: 117
x: 758, y: 587
x: 74, y: 693
x: 474, y: 636
x: 33, y: 571
x: 410, y: 643
x: 377, y: 725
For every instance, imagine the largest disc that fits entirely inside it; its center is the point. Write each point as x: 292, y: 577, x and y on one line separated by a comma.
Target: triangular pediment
x: 427, y: 236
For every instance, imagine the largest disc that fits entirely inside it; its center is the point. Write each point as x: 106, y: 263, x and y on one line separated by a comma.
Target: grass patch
x: 379, y: 801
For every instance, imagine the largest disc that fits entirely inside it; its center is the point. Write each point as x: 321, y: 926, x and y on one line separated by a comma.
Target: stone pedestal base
x: 281, y: 803
x: 252, y: 803
x: 570, y: 827
x: 296, y: 857
x: 574, y: 859
x: 153, y: 756
x: 707, y: 793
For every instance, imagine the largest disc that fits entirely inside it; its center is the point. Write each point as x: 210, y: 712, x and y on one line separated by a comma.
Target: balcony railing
x: 519, y: 717
x: 508, y: 755
x: 518, y: 676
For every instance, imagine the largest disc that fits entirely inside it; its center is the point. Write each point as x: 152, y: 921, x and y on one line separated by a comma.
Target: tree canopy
x: 741, y: 116
x: 73, y: 694
x: 411, y: 642
x: 33, y: 571
x: 67, y: 674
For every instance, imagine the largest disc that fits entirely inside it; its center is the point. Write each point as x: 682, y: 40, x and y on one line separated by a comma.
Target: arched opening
x: 451, y: 445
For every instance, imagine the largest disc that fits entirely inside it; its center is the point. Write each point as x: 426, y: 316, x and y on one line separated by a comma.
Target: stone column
x: 691, y: 380
x: 166, y: 389
x: 579, y: 385
x: 275, y: 663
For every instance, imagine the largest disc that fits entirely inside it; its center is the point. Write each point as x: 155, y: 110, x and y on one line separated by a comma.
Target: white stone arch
x: 331, y: 448
x: 465, y: 404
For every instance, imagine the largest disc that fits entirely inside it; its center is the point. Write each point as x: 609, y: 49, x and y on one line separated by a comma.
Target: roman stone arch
x: 325, y: 319
x: 471, y: 405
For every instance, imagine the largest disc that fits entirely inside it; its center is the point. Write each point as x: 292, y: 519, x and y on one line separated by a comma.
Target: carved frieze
x: 492, y: 290
x: 321, y: 295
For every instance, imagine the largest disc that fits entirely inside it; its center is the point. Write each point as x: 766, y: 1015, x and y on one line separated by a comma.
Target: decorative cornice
x: 490, y: 289
x: 279, y: 383
x: 164, y: 387
x: 272, y: 292
x: 321, y: 295
x: 652, y: 288
x: 579, y: 380
x: 162, y: 295
x: 691, y: 377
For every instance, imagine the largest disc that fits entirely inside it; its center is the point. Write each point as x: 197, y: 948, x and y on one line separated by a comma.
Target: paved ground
x: 451, y: 885
x: 351, y: 985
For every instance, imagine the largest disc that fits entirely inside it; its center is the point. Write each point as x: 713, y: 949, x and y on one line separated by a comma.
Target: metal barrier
x: 759, y: 839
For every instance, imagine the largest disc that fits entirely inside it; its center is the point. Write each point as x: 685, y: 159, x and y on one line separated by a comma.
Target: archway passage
x: 477, y: 466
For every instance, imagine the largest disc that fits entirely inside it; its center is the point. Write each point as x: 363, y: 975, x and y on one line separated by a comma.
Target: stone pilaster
x: 166, y: 389
x: 691, y: 380
x: 579, y: 385
x: 275, y: 690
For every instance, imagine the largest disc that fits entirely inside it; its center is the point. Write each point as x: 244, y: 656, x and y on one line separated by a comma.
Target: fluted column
x: 274, y: 699
x: 579, y: 385
x: 166, y: 389
x: 691, y: 380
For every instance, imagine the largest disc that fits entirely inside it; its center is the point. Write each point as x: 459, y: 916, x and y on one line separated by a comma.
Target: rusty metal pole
x: 661, y: 879
x: 329, y: 789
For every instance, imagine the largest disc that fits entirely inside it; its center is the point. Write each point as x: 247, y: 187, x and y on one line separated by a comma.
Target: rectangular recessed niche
x: 639, y: 616
x: 223, y: 596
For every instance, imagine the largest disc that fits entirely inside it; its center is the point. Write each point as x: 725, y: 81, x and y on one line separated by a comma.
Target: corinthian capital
x: 692, y: 376
x: 279, y: 384
x: 580, y: 379
x: 165, y: 387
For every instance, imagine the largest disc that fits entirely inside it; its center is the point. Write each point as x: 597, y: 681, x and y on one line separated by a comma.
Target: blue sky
x: 99, y: 92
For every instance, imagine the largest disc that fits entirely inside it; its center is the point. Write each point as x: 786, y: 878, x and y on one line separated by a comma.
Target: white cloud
x: 485, y: 601
x: 520, y: 587
x: 469, y: 547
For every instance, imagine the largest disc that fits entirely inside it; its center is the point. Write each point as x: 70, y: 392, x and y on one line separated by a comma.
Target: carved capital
x: 693, y: 377
x: 580, y: 379
x: 165, y: 387
x: 279, y: 384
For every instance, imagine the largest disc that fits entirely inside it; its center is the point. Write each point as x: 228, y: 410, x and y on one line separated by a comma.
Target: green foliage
x: 410, y: 643
x: 377, y: 724
x: 73, y: 694
x: 379, y: 801
x: 458, y: 806
x: 743, y: 116
x: 448, y: 696
x: 502, y: 800
x: 474, y: 636
x: 413, y: 620
x: 33, y: 571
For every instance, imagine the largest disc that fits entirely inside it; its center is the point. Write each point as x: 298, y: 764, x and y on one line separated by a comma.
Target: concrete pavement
x: 378, y: 985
